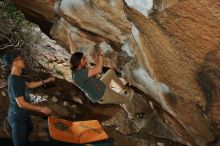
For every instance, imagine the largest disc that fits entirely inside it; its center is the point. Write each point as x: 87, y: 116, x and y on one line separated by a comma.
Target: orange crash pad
x: 76, y: 132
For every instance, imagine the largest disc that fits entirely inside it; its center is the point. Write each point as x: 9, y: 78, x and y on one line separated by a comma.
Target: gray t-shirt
x: 16, y: 88
x: 91, y: 86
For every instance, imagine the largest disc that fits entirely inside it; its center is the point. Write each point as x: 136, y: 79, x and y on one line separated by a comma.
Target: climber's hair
x: 75, y: 60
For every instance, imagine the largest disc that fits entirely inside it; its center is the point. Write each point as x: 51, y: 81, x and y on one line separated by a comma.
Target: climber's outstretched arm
x: 71, y: 45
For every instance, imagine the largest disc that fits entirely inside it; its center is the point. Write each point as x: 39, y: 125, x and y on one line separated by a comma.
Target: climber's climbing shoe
x: 127, y: 92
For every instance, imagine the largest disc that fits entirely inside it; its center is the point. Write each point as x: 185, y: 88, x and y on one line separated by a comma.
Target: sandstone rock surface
x: 170, y: 53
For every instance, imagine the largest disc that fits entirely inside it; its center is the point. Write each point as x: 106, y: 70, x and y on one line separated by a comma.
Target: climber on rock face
x: 18, y: 115
x: 96, y: 90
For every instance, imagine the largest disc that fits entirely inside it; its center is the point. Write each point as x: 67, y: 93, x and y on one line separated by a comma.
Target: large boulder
x: 168, y: 50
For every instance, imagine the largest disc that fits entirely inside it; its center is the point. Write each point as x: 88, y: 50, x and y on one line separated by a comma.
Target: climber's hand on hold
x: 101, y: 53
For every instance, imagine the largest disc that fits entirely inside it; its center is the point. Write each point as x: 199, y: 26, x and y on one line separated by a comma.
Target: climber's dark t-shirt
x: 91, y: 86
x: 16, y: 88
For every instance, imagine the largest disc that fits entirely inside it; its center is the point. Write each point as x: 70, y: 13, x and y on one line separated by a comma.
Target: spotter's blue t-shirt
x: 16, y: 88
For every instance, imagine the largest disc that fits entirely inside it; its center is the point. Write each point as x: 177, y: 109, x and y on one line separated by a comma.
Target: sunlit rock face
x: 169, y: 50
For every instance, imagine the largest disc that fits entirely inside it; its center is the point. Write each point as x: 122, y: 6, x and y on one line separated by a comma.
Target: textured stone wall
x: 169, y: 50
